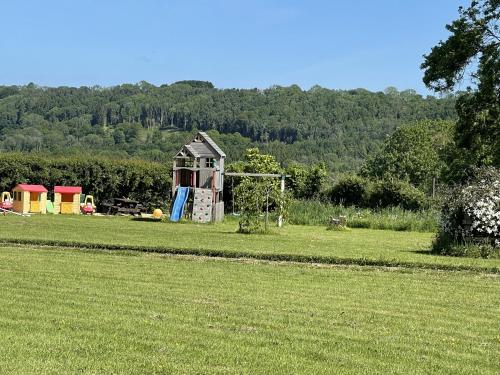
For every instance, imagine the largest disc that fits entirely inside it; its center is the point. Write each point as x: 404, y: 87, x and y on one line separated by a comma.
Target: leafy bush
x: 354, y: 190
x: 257, y: 195
x: 397, y: 193
x: 250, y: 199
x: 147, y: 182
x: 306, y: 182
x: 350, y: 190
x: 477, y: 248
x: 470, y: 223
x: 253, y: 198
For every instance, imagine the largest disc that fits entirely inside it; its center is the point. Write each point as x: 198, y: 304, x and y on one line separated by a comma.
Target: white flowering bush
x: 470, y: 222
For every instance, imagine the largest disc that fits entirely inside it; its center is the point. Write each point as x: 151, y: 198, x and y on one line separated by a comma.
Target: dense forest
x: 340, y: 128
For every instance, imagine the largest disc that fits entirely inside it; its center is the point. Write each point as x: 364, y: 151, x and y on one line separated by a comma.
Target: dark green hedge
x: 350, y: 190
x: 145, y: 181
x: 354, y: 190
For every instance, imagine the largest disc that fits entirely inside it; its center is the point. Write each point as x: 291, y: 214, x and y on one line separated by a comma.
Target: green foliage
x: 306, y: 182
x: 414, y: 153
x: 340, y: 128
x: 350, y: 190
x: 472, y: 47
x: 196, y: 84
x: 255, y: 195
x: 255, y: 162
x: 355, y: 190
x: 146, y: 182
x: 397, y: 193
x: 251, y: 197
x: 444, y: 244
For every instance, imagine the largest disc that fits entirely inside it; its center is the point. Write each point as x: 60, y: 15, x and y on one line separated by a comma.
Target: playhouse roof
x: 200, y: 150
x: 212, y: 144
x: 31, y: 188
x: 68, y: 189
x: 202, y: 146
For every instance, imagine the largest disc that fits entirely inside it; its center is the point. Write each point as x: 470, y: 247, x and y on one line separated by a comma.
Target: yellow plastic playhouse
x: 67, y: 199
x: 30, y: 199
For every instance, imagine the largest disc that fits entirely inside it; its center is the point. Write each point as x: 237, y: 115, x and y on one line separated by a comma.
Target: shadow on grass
x: 150, y: 219
x: 424, y: 252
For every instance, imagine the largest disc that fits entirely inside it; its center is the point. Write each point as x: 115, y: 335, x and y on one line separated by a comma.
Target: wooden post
x: 280, y: 218
x: 174, y: 175
x: 232, y: 192
x: 267, y: 208
x: 213, y: 187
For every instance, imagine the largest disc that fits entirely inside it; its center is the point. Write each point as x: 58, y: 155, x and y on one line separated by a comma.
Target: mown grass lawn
x: 409, y: 247
x: 74, y: 311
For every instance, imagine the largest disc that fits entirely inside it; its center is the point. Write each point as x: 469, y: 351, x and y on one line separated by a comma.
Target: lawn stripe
x: 281, y: 257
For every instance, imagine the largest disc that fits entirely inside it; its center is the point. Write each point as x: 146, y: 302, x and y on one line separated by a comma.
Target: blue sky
x: 336, y: 44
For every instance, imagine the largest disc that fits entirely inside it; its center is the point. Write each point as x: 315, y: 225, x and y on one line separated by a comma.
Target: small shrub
x: 350, y: 190
x: 397, y: 193
x: 250, y: 224
x: 253, y: 198
x: 445, y: 245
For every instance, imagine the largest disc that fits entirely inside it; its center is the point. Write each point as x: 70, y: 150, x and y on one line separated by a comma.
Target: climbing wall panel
x: 202, y: 206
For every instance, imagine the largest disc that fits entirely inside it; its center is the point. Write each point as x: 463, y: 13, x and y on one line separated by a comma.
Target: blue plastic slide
x: 180, y: 201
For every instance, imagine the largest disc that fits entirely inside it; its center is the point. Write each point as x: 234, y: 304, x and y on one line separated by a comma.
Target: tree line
x: 338, y: 127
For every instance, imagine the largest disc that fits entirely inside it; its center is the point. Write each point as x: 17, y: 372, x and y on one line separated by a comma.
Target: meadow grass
x: 86, y: 312
x: 292, y: 243
x: 313, y: 212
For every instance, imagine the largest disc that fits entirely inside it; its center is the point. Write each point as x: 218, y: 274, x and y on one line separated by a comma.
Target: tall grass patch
x: 314, y: 212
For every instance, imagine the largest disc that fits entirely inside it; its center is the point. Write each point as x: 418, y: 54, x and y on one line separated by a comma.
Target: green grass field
x: 77, y: 298
x: 300, y: 243
x: 75, y: 311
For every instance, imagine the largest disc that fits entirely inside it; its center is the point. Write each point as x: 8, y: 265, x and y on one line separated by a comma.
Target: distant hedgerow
x: 145, y: 181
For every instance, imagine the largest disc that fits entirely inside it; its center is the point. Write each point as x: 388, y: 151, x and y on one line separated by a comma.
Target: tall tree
x: 413, y: 153
x: 471, y: 52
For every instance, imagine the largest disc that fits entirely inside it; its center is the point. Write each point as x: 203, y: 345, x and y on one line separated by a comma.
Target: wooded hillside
x: 340, y: 128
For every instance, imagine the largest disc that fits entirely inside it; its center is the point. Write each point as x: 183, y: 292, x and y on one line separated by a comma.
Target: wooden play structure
x: 198, y: 171
x: 29, y: 199
x: 67, y: 199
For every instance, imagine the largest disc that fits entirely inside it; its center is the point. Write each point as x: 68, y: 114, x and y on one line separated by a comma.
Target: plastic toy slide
x: 180, y: 201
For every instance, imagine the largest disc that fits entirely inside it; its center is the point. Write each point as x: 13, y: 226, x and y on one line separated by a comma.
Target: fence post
x: 280, y: 218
